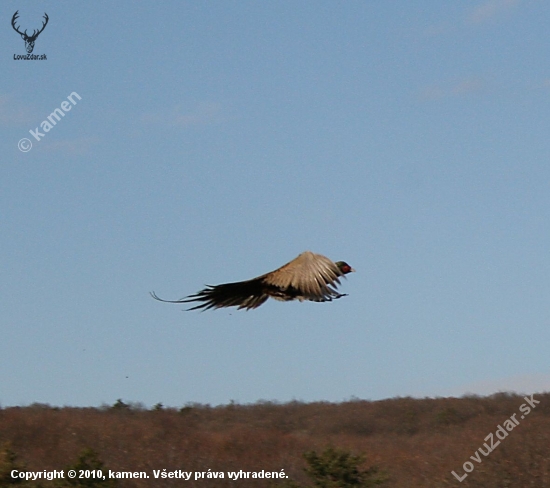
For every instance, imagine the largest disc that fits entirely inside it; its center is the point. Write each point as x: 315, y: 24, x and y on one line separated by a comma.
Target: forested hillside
x: 501, y: 440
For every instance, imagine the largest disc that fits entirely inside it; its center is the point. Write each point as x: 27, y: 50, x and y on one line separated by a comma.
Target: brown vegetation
x: 412, y: 442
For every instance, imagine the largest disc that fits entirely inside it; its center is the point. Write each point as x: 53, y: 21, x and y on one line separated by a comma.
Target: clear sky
x: 215, y: 141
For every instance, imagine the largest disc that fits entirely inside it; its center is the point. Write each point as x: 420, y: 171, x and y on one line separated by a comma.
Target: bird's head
x: 344, y: 267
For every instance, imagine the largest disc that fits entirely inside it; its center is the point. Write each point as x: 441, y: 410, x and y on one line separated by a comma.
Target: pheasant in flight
x: 310, y: 277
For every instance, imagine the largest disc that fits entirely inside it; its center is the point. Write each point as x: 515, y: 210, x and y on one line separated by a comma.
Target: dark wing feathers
x: 242, y: 294
x: 308, y: 277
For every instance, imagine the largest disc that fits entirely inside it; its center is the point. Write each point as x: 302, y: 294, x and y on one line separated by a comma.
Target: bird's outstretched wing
x: 310, y: 276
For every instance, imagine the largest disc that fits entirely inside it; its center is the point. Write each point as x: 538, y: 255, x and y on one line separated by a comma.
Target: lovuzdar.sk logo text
x: 29, y: 39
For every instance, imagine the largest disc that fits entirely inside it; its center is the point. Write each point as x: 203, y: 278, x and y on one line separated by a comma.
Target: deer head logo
x: 29, y: 40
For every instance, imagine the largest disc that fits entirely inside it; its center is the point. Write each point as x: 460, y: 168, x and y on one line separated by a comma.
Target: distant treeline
x: 401, y: 442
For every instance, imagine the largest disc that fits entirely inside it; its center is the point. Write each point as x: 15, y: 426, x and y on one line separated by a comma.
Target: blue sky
x: 215, y: 141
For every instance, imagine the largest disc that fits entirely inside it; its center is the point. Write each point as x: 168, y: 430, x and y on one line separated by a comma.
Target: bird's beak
x: 352, y: 270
